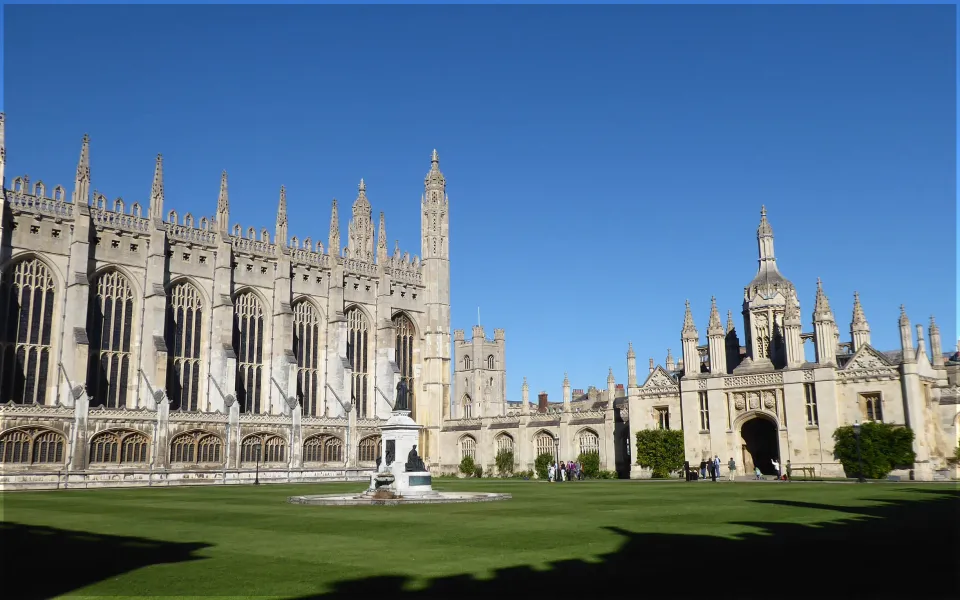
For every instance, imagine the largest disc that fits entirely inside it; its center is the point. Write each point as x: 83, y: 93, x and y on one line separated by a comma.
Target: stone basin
x: 369, y: 499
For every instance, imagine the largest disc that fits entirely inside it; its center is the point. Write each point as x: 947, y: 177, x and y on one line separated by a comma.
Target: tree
x: 542, y: 465
x: 660, y: 450
x: 505, y: 462
x: 467, y: 466
x: 883, y: 448
x: 590, y: 462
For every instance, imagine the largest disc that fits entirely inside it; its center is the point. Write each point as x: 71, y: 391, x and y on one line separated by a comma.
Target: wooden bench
x: 808, y: 472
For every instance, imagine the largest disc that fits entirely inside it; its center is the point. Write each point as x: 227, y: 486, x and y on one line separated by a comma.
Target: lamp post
x: 556, y: 446
x: 256, y: 480
x: 856, y: 434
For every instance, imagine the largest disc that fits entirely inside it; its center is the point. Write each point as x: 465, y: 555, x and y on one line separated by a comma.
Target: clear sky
x: 603, y: 163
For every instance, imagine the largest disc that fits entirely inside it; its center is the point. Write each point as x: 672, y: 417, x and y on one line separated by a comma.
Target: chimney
x: 542, y: 402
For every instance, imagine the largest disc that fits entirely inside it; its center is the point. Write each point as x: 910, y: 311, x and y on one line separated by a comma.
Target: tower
x: 715, y: 341
x: 936, y: 350
x: 282, y: 219
x: 764, y: 303
x: 611, y: 386
x: 156, y: 191
x: 81, y: 184
x: 333, y: 239
x: 906, y: 337
x: 525, y: 395
x: 859, y: 328
x: 631, y: 367
x: 566, y: 393
x: 223, y: 207
x: 824, y: 329
x: 690, y: 337
x: 434, y: 243
x: 360, y: 241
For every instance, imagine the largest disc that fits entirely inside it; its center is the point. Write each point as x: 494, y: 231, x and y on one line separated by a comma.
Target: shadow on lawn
x: 907, y: 549
x: 44, y: 562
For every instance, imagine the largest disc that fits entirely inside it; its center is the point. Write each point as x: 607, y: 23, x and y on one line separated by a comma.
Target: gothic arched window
x: 490, y: 362
x: 467, y: 405
x: 110, y: 331
x: 504, y: 443
x: 196, y: 447
x: 306, y: 348
x: 248, y: 345
x: 264, y: 448
x: 544, y: 443
x: 589, y: 441
x: 121, y: 447
x: 31, y: 446
x: 466, y: 363
x: 26, y: 322
x: 404, y: 347
x: 369, y: 449
x: 357, y: 355
x: 468, y: 447
x: 183, y: 329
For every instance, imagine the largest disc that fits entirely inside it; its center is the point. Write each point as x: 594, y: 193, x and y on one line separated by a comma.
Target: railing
x: 252, y: 246
x: 191, y: 235
x: 311, y: 258
x: 405, y: 276
x: 44, y: 206
x: 105, y: 218
x: 352, y: 265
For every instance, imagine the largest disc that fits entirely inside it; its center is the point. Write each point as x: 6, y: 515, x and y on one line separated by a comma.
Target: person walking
x: 716, y: 464
x: 732, y: 465
x: 713, y: 470
x: 776, y: 467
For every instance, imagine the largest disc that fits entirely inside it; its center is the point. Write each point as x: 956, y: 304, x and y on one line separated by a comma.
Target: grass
x: 245, y: 541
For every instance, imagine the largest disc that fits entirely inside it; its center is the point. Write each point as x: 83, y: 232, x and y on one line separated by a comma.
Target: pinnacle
x: 730, y: 325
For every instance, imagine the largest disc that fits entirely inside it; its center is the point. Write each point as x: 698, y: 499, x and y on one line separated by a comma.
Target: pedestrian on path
x: 732, y: 465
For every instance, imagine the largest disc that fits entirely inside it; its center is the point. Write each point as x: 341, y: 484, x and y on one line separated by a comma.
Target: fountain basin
x: 369, y: 499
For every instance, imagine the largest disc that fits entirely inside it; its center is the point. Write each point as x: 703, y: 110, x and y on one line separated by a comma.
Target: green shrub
x: 590, y: 463
x: 542, y: 465
x: 604, y: 474
x: 467, y: 466
x: 883, y: 448
x: 478, y: 471
x: 956, y: 453
x: 660, y: 450
x: 505, y: 462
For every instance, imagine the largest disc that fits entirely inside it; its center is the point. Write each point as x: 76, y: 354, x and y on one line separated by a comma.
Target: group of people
x: 712, y: 467
x: 565, y: 471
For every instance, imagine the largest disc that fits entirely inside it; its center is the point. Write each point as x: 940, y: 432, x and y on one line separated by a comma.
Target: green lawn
x: 248, y: 541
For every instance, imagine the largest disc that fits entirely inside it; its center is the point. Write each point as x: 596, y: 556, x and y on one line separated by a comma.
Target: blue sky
x: 603, y: 163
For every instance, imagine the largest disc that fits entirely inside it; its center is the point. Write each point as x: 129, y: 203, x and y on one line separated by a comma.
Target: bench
x: 808, y: 472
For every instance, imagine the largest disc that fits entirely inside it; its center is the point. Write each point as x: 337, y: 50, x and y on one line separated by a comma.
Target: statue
x: 414, y: 462
x: 402, y: 401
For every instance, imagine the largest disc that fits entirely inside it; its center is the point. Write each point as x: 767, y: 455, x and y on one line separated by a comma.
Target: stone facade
x: 139, y: 347
x: 143, y: 347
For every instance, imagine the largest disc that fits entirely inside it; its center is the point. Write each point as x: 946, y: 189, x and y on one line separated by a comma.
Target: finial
x: 763, y: 211
x: 362, y: 187
x: 435, y: 158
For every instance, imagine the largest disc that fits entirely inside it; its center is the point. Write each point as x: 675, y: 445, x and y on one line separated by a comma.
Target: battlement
x: 498, y: 335
x: 478, y: 332
x: 458, y: 335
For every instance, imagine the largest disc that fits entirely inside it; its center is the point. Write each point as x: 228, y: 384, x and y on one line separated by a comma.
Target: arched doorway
x: 760, y: 445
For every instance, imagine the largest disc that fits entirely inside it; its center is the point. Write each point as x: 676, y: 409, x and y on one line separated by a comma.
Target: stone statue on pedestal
x: 414, y: 462
x: 402, y: 402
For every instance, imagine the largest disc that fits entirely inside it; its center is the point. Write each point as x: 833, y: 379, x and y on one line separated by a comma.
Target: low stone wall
x: 121, y: 478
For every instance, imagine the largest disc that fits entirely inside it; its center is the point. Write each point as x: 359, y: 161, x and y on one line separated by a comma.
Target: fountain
x: 397, y: 482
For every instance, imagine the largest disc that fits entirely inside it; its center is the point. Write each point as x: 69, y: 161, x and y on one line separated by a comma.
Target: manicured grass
x: 248, y: 541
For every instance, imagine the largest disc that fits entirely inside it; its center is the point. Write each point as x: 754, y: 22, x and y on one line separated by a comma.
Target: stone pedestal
x: 399, y: 435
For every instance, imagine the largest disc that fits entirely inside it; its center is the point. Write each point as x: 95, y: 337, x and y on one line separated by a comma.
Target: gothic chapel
x: 141, y: 346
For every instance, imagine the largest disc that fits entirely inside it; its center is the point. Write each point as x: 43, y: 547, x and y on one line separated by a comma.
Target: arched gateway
x: 759, y: 445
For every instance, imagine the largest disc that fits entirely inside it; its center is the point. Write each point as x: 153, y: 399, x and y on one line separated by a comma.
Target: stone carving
x: 402, y: 402
x: 753, y: 380
x: 660, y: 379
x: 808, y: 375
x: 865, y: 359
x: 391, y: 451
x: 702, y: 384
x: 768, y: 401
x: 414, y: 462
x: 754, y: 401
x: 739, y: 403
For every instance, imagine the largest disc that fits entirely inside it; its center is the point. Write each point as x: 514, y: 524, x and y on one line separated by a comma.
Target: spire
x: 630, y: 353
x: 360, y: 240
x: 382, y: 241
x: 651, y: 365
x: 434, y: 184
x: 566, y: 380
x: 333, y: 242
x: 282, y: 219
x: 714, y: 327
x: 669, y: 364
x: 223, y: 205
x: 936, y: 350
x: 156, y: 192
x: 821, y: 310
x: 689, y: 329
x: 858, y: 316
x: 81, y: 184
x: 3, y: 151
x: 525, y: 386
x: 730, y: 325
x: 791, y: 313
x: 610, y: 377
x: 904, y: 320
